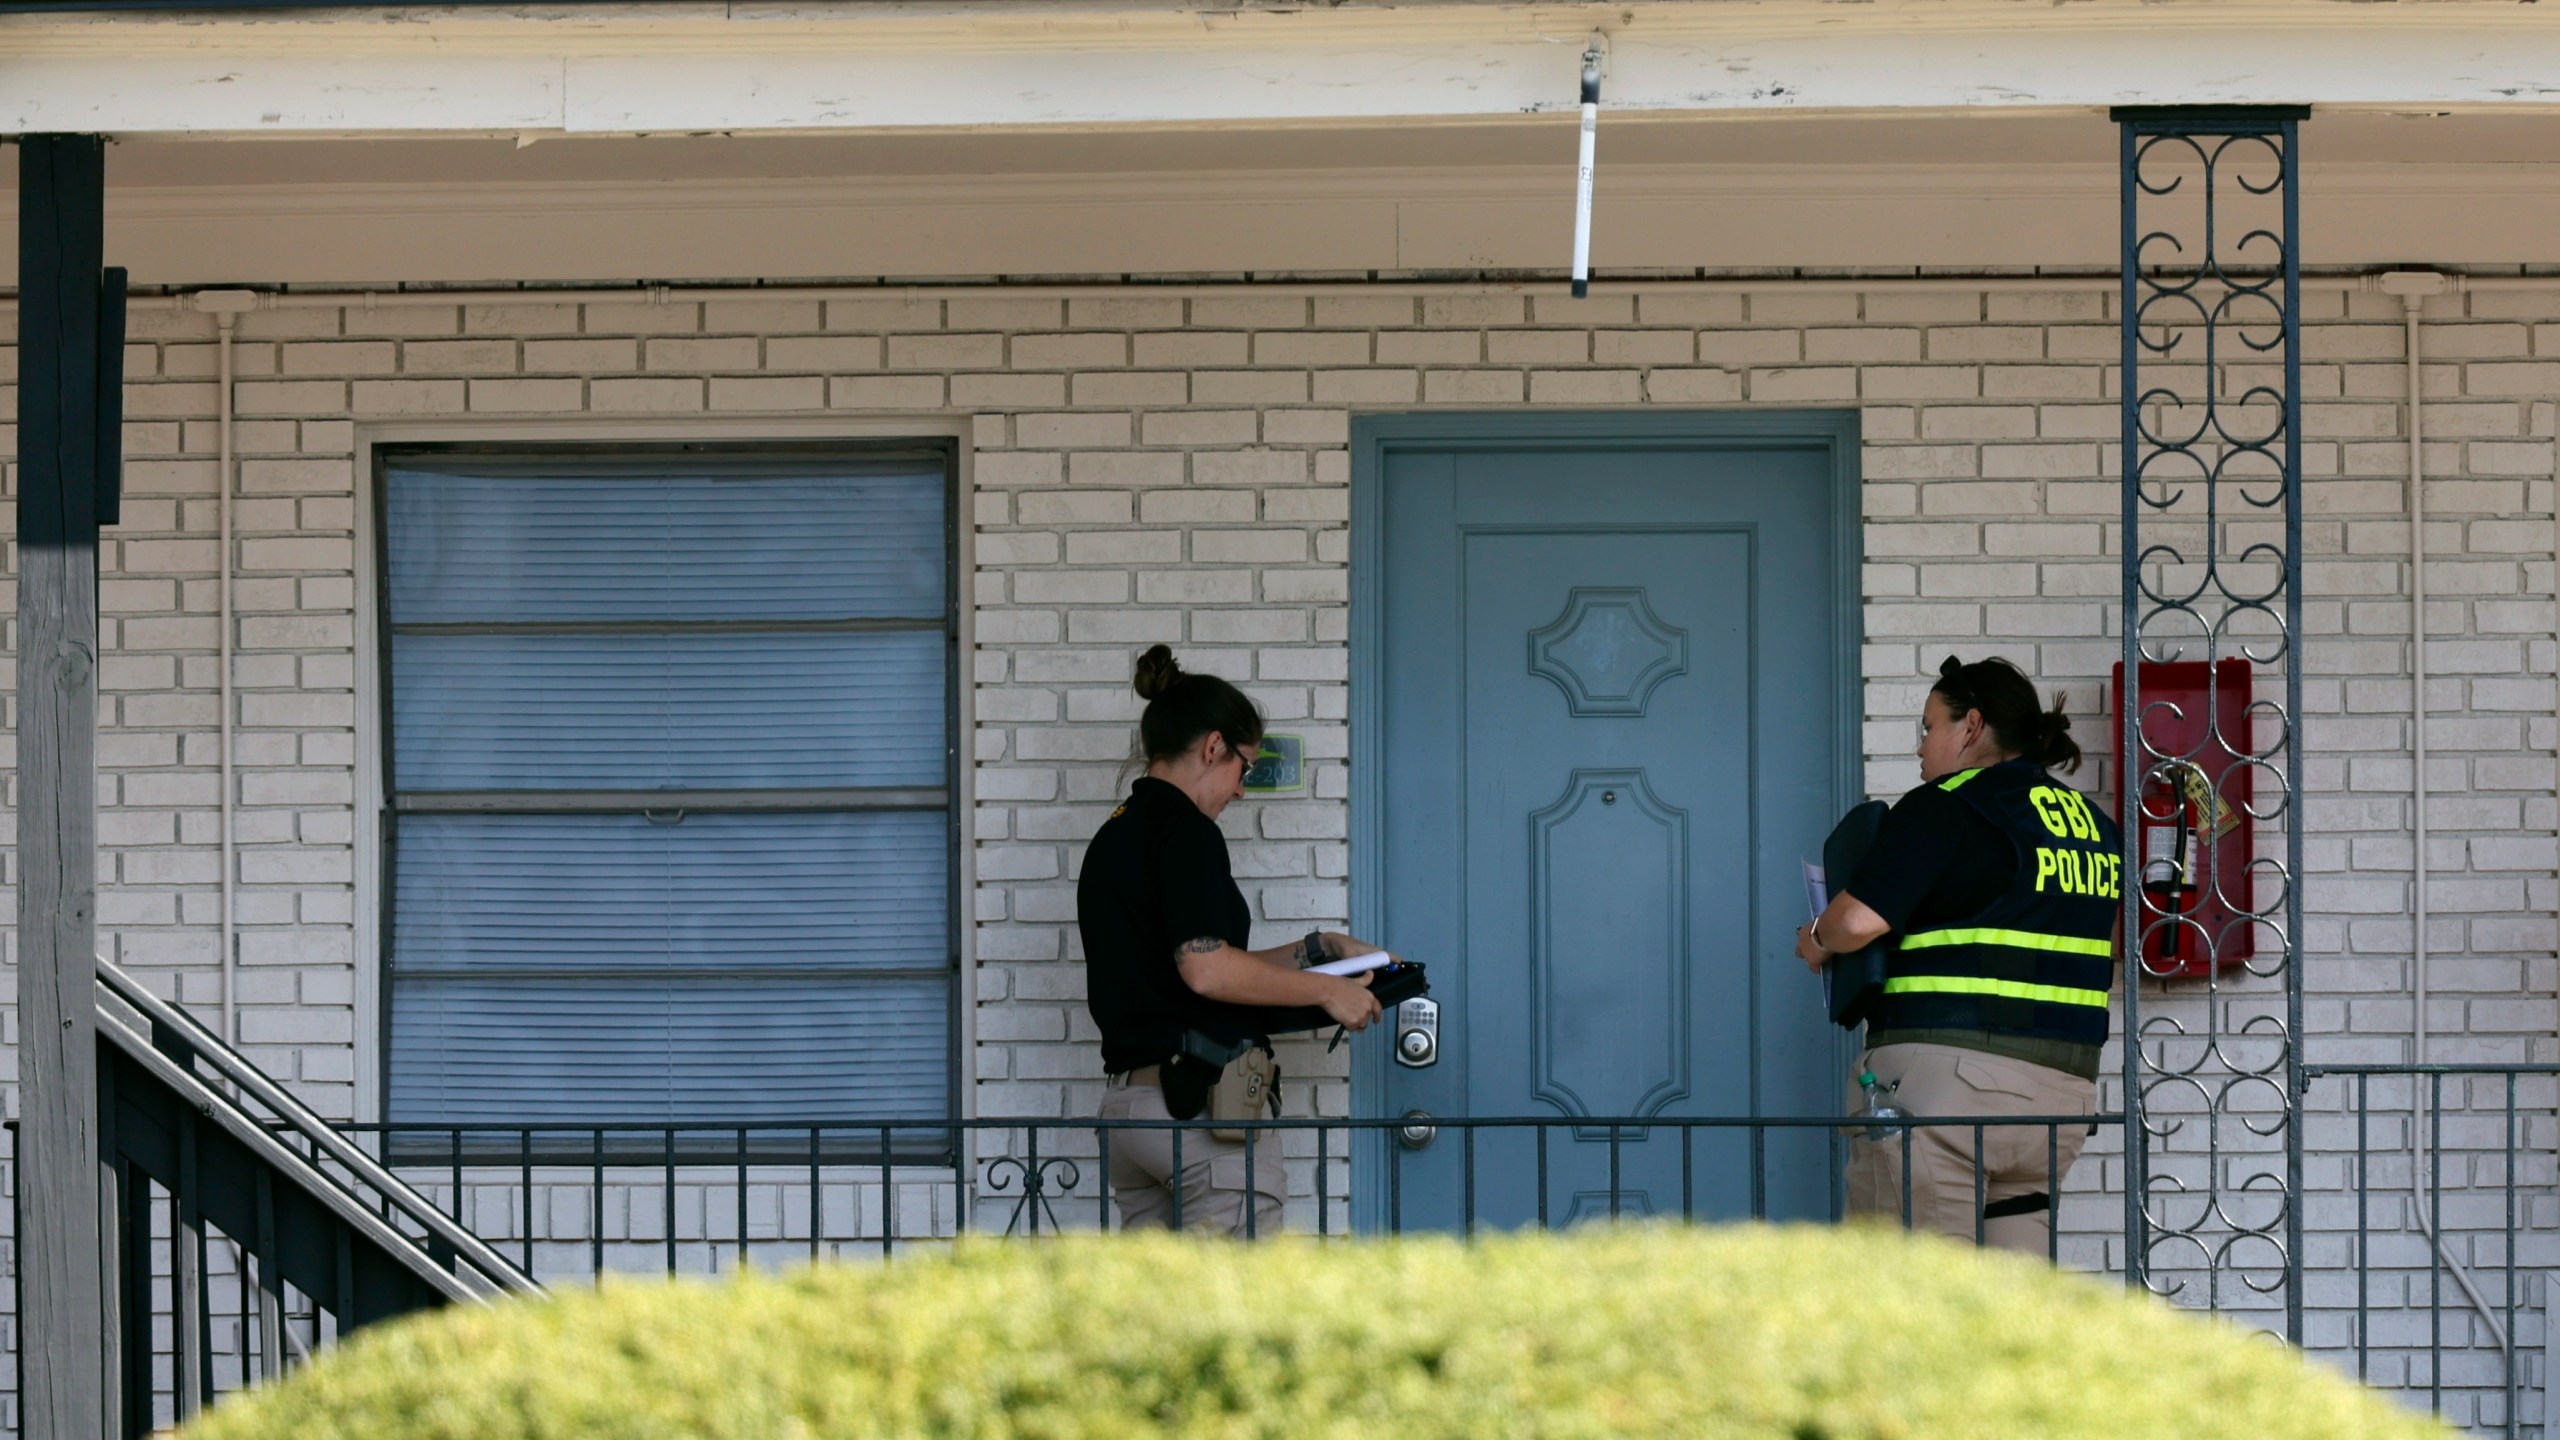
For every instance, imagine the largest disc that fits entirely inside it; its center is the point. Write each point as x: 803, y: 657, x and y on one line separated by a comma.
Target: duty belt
x: 2066, y: 1056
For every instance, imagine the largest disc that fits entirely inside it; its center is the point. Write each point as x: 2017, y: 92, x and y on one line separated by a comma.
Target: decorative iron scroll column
x: 2212, y: 551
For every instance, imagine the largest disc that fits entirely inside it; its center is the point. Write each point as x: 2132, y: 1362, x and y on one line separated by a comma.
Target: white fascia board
x: 280, y: 94
x: 876, y: 67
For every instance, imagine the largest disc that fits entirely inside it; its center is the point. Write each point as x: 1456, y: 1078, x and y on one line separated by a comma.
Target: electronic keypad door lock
x: 1418, y: 1032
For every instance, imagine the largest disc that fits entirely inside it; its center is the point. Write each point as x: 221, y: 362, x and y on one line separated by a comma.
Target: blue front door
x: 1614, y: 704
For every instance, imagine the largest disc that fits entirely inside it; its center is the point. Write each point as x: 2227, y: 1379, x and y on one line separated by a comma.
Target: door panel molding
x: 1586, y: 650
x: 1592, y: 798
x: 1374, y: 439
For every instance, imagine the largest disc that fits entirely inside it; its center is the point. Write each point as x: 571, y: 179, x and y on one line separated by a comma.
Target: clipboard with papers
x: 1853, y: 982
x: 1393, y: 982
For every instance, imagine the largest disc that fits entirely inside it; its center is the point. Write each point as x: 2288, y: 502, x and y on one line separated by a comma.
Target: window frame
x: 386, y: 802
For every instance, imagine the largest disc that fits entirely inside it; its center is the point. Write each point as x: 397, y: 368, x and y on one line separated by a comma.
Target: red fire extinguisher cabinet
x: 2184, y: 801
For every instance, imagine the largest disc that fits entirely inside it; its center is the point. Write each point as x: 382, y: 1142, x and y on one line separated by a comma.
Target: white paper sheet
x: 1817, y: 894
x: 1354, y: 964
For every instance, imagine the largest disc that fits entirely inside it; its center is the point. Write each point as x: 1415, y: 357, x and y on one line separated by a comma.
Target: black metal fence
x: 2440, y: 1236
x: 2432, y: 1213
x: 750, y: 1193
x: 571, y: 1203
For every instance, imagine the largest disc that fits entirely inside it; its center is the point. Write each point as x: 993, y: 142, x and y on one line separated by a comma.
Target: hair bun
x: 1157, y: 671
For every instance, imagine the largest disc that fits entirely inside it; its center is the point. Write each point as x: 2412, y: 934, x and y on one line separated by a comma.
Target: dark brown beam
x: 61, y: 227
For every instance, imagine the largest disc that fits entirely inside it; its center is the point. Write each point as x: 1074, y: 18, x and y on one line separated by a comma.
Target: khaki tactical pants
x: 1212, y: 1182
x: 2016, y: 1161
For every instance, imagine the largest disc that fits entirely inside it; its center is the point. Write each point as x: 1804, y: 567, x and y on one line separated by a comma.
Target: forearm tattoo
x: 1203, y: 945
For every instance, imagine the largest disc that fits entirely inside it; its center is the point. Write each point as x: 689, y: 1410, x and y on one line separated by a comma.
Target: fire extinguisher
x: 2174, y: 802
x: 2185, y: 806
x: 2169, y: 841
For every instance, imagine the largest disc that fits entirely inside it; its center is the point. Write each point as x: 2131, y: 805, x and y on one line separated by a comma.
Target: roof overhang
x: 638, y: 68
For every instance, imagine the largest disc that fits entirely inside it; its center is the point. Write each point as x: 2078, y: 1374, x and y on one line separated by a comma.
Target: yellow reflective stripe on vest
x: 2010, y: 989
x: 1958, y: 778
x: 2014, y: 939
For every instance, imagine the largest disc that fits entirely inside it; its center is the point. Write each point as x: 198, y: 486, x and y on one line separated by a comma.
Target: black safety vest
x: 2038, y: 960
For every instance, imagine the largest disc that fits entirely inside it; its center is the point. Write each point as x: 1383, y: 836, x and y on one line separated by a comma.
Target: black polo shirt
x: 1155, y: 876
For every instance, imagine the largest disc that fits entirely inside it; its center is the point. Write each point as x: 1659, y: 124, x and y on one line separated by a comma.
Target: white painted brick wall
x: 1175, y: 468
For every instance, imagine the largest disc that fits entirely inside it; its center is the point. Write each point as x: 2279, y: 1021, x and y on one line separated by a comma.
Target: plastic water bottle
x: 1880, y: 1106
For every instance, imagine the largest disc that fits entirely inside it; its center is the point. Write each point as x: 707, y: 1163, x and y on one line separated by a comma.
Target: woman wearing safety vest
x: 2004, y: 886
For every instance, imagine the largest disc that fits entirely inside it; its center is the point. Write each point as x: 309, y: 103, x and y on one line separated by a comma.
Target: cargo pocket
x: 2032, y: 1155
x: 1270, y: 1174
x: 1991, y: 1079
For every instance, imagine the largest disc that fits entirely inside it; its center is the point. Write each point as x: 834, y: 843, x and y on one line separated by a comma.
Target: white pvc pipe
x: 1582, y: 176
x: 226, y: 307
x: 2412, y: 351
x: 223, y: 324
x: 2413, y: 288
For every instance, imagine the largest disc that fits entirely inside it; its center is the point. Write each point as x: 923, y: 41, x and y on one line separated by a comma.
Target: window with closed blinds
x: 671, y: 762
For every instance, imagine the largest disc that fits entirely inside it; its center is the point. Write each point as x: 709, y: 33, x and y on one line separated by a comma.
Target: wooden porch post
x: 61, y: 224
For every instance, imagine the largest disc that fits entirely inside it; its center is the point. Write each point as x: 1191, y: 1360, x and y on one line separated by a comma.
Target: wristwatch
x: 1311, y: 949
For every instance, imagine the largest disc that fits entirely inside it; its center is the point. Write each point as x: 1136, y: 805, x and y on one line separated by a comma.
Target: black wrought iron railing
x: 567, y: 1204
x: 1033, y: 1176
x: 2455, y: 1236
x: 218, y: 1182
x: 2446, y: 1304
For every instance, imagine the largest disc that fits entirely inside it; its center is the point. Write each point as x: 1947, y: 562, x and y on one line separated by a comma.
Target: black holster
x: 1194, y: 1070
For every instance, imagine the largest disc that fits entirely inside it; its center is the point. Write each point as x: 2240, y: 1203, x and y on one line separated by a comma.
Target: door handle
x: 1417, y: 1130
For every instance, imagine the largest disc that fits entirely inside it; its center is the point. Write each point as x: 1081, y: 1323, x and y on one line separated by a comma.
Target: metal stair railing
x: 362, y: 1191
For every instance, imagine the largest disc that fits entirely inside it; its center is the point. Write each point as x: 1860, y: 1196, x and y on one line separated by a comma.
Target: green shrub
x: 1789, y: 1334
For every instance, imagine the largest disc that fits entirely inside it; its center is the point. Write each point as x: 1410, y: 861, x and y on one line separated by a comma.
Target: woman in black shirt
x: 2004, y: 888
x: 1165, y: 931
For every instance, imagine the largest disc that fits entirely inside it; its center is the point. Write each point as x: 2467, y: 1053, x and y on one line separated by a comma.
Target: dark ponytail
x: 1182, y: 707
x: 2007, y: 700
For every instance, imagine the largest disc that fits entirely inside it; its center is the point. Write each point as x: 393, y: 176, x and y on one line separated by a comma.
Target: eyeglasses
x: 1251, y: 754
